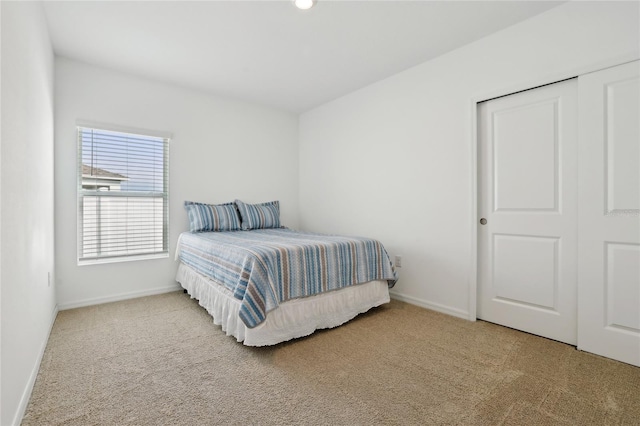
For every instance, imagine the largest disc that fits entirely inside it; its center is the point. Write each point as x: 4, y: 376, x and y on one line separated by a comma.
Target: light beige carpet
x: 160, y: 360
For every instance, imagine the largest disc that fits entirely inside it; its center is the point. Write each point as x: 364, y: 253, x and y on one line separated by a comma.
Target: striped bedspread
x: 265, y: 267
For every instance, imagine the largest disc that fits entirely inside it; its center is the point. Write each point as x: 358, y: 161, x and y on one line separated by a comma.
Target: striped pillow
x: 259, y: 216
x: 212, y: 217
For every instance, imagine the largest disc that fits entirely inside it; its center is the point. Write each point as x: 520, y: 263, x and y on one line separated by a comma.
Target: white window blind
x: 122, y: 195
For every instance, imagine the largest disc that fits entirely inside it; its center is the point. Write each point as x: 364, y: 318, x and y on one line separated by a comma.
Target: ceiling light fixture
x: 304, y: 4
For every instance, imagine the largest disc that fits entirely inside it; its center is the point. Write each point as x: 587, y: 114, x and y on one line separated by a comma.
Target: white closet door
x: 609, y: 213
x: 527, y: 194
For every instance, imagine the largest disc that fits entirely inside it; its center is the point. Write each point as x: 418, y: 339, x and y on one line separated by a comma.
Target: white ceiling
x: 269, y: 52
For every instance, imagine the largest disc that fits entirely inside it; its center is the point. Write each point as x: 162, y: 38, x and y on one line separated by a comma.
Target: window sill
x: 118, y: 259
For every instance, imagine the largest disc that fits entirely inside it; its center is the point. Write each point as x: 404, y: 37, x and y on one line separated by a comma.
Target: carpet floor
x: 160, y: 360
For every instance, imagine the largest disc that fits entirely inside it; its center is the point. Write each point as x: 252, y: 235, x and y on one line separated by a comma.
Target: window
x: 122, y: 195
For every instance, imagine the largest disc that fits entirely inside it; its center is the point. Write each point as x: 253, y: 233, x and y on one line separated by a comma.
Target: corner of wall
x: 27, y: 248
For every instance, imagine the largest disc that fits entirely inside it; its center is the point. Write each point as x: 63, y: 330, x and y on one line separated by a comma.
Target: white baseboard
x: 119, y: 297
x: 26, y: 394
x: 430, y: 305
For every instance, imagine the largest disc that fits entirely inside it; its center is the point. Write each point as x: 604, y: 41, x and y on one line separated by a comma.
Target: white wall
x: 394, y: 160
x: 28, y: 302
x: 221, y: 150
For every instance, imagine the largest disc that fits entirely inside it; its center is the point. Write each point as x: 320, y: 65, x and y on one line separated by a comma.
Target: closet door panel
x: 609, y: 213
x: 527, y: 198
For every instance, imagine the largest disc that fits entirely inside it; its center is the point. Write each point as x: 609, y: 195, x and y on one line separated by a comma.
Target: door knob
x: 483, y: 221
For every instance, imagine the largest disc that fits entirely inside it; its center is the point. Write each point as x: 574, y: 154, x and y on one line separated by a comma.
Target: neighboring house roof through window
x: 88, y: 171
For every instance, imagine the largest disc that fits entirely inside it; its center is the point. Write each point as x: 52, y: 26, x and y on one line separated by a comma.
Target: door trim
x: 473, y: 143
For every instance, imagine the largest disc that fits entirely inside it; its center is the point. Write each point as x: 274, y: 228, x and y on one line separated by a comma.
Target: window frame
x: 81, y: 193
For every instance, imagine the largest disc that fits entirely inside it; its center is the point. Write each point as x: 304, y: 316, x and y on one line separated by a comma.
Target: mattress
x: 265, y: 268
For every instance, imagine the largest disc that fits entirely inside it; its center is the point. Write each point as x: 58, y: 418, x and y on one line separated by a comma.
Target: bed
x: 265, y: 284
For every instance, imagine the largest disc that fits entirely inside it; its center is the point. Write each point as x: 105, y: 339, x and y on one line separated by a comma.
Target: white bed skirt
x: 292, y: 319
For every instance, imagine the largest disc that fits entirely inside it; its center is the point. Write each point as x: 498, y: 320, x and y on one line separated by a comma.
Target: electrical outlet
x: 398, y: 262
x: 48, y: 279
